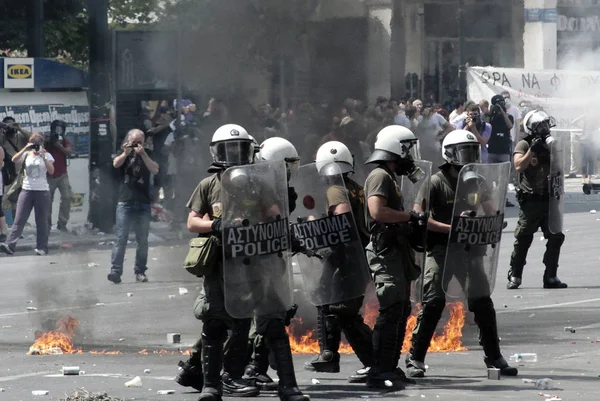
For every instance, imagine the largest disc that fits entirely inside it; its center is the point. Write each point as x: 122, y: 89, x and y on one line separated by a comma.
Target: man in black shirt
x: 134, y: 204
x: 500, y: 143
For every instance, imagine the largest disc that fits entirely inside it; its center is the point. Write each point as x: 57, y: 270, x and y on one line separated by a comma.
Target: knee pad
x: 214, y: 329
x: 556, y: 240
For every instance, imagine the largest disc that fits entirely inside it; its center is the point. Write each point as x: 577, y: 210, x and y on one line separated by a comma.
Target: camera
x: 35, y: 146
x: 133, y: 145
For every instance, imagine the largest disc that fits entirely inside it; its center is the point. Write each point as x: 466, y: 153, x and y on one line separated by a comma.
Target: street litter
x: 165, y: 392
x: 70, y: 370
x: 40, y: 392
x: 171, y: 296
x: 66, y: 246
x: 92, y: 264
x: 388, y: 383
x: 31, y: 308
x: 100, y: 304
x: 130, y: 294
x: 570, y: 329
x: 30, y: 302
x: 315, y: 381
x: 518, y: 296
x: 154, y: 258
x: 593, y: 211
x: 544, y: 384
x: 182, y: 291
x: 532, y: 315
x: 84, y: 395
x: 555, y: 398
x: 135, y: 382
x: 121, y: 339
x: 526, y: 357
x: 147, y: 371
x: 506, y: 306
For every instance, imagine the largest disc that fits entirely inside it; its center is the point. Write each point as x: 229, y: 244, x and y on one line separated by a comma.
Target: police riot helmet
x: 393, y: 143
x: 533, y: 123
x: 281, y: 149
x: 231, y: 146
x: 334, y: 158
x: 460, y: 147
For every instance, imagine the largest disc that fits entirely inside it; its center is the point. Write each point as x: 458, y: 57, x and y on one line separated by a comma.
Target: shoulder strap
x: 12, y: 144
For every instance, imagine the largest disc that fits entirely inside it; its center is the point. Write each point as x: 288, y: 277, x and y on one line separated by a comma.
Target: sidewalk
x: 81, y: 237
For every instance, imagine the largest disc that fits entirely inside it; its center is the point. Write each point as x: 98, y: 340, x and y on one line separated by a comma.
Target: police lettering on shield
x: 326, y: 232
x: 480, y: 230
x: 257, y: 240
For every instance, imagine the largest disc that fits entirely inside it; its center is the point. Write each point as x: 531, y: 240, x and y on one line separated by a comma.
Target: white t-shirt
x: 35, y: 178
x: 516, y: 114
x: 172, y: 168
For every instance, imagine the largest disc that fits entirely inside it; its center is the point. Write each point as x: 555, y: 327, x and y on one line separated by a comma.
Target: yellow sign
x: 77, y: 200
x: 19, y: 71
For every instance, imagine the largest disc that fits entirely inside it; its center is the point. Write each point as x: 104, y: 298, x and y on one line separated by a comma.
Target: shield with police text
x: 471, y: 258
x: 556, y: 184
x: 257, y: 271
x: 330, y: 254
x: 415, y: 190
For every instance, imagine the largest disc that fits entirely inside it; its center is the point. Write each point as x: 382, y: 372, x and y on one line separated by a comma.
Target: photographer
x: 475, y: 124
x: 34, y: 194
x: 134, y: 204
x: 60, y: 148
x: 13, y: 138
x: 500, y: 144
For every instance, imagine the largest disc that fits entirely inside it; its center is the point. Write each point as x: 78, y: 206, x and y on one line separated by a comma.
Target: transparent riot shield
x: 414, y: 192
x: 477, y: 222
x: 256, y: 243
x: 332, y: 260
x: 556, y: 183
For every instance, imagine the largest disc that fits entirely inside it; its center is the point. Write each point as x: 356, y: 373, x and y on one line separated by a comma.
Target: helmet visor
x: 233, y: 153
x: 465, y: 153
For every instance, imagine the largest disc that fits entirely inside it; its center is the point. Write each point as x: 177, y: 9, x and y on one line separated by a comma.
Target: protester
x: 12, y: 138
x: 34, y: 194
x: 134, y: 204
x: 2, y: 216
x: 60, y: 147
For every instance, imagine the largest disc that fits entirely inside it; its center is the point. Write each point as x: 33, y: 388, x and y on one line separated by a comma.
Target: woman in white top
x: 35, y: 194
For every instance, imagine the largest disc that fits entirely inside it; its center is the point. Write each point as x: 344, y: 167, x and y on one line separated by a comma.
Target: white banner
x: 18, y: 73
x: 565, y: 95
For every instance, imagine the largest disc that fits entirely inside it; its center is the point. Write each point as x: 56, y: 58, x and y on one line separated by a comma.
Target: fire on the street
x: 304, y: 341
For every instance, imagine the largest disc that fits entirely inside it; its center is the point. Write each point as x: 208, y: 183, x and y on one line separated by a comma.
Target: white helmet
x: 256, y: 147
x: 231, y: 146
x: 334, y: 158
x: 460, y: 147
x: 393, y: 142
x: 277, y: 148
x: 534, y: 118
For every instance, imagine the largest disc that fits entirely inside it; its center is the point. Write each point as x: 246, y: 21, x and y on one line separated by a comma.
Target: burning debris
x: 84, y: 395
x: 59, y: 341
x: 305, y: 341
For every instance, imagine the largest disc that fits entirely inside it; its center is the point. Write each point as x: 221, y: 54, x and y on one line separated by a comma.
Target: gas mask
x: 408, y: 168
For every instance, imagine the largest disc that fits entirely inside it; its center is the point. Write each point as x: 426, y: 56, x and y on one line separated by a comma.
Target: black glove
x: 538, y: 145
x: 418, y: 218
x: 289, y: 315
x: 216, y: 226
x: 292, y: 198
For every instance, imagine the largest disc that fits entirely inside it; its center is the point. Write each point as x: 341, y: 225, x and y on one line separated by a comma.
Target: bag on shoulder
x: 15, y: 188
x: 202, y: 258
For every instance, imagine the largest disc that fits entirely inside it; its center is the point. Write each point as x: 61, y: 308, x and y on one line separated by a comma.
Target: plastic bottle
x: 527, y: 357
x: 544, y: 384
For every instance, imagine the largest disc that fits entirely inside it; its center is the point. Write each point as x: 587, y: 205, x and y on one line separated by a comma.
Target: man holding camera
x: 60, y: 147
x: 500, y: 144
x: 475, y: 124
x: 13, y: 138
x: 134, y: 205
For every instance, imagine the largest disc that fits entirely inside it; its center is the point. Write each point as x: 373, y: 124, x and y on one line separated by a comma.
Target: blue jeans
x: 139, y: 215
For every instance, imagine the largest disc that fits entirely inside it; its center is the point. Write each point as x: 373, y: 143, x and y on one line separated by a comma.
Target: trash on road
x: 135, y: 382
x: 544, y: 384
x: 29, y: 302
x: 66, y: 246
x: 532, y: 315
x: 518, y: 296
x: 81, y: 394
x: 171, y: 296
x: 182, y: 291
x: 40, y: 392
x: 92, y: 264
x: 506, y: 306
x: 121, y: 339
x: 100, y: 304
x: 31, y: 308
x: 70, y: 370
x: 165, y: 392
x: 493, y: 374
x: 130, y: 294
x: 526, y: 357
x: 570, y: 329
x: 147, y: 371
x: 173, y: 338
x: 593, y: 211
x: 315, y: 381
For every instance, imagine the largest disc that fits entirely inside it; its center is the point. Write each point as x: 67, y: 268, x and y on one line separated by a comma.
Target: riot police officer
x: 334, y: 158
x: 230, y: 146
x: 388, y: 253
x: 459, y: 148
x: 539, y: 208
x: 272, y: 149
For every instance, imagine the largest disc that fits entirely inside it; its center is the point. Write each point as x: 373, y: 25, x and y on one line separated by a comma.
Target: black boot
x: 234, y: 362
x: 551, y: 280
x: 427, y: 321
x: 551, y: 257
x: 212, y: 360
x: 501, y: 364
x: 329, y: 336
x: 190, y: 372
x: 400, y: 343
x: 279, y: 344
x: 360, y: 338
x: 256, y: 371
x: 384, y: 345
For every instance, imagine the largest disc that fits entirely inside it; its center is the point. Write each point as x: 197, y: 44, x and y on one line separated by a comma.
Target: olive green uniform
x: 533, y: 197
x: 344, y: 316
x: 392, y: 265
x: 467, y: 270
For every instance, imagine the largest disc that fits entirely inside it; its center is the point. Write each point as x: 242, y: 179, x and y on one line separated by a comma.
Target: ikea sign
x: 18, y: 73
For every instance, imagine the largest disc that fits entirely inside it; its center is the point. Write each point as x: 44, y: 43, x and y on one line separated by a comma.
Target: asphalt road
x: 72, y: 283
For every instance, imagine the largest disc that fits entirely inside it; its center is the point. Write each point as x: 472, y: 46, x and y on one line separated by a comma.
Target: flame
x: 105, y: 352
x: 59, y: 341
x: 305, y: 341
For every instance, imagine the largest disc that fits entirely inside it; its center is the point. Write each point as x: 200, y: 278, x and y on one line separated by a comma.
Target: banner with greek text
x: 38, y: 119
x: 565, y: 95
